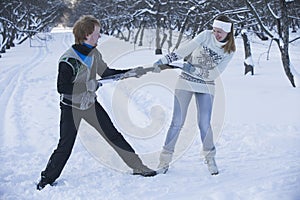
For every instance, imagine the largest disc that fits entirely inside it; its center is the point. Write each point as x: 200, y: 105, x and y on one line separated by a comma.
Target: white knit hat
x: 225, y: 26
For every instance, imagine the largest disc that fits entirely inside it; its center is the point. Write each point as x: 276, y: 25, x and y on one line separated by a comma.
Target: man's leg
x: 99, y: 119
x: 58, y: 159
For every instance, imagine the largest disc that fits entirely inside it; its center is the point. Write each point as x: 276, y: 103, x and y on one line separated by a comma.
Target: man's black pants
x: 97, y: 117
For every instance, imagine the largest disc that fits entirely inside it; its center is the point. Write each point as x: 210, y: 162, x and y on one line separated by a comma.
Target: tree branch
x: 293, y: 40
x: 252, y: 9
x: 17, y: 28
x: 272, y: 12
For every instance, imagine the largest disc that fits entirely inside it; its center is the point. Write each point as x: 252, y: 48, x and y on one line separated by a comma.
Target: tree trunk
x: 294, y: 26
x: 12, y: 38
x: 163, y: 40
x: 260, y: 33
x: 283, y: 32
x: 4, y: 42
x: 286, y: 65
x: 137, y: 35
x: 141, y: 27
x: 158, y: 47
x: 129, y: 34
x: 142, y: 36
x: 182, y: 28
x: 285, y: 38
x: 5, y: 39
x: 170, y: 39
x: 248, y: 62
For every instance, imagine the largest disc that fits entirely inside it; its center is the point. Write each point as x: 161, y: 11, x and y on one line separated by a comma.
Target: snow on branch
x: 235, y: 11
x: 17, y: 28
x: 272, y: 12
x: 293, y: 17
x: 143, y: 11
x: 253, y: 10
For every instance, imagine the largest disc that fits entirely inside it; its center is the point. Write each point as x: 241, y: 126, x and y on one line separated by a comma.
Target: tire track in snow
x: 40, y: 82
x: 19, y: 81
x: 67, y: 40
x: 11, y: 99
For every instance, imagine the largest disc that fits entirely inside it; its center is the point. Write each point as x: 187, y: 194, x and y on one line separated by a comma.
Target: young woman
x: 207, y: 56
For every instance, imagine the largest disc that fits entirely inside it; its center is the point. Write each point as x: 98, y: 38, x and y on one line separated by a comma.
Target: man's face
x: 92, y: 39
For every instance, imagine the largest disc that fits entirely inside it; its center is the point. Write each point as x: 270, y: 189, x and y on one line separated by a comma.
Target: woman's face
x: 92, y: 39
x: 219, y: 34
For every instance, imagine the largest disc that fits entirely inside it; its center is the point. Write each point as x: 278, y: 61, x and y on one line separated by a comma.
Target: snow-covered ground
x: 256, y: 123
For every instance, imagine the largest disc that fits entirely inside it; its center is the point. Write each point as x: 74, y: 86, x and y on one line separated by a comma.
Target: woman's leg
x: 182, y: 99
x: 204, y: 106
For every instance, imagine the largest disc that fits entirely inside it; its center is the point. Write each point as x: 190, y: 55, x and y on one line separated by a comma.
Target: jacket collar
x: 83, y: 49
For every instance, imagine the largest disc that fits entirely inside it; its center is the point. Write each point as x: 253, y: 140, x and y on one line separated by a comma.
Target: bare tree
x: 20, y: 20
x: 248, y: 62
x: 282, y: 37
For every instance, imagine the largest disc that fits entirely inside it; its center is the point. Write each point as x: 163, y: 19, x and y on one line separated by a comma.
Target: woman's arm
x: 185, y: 49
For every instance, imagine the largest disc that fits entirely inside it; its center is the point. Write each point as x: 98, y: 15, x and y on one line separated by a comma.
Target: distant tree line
x: 268, y: 19
x: 21, y: 19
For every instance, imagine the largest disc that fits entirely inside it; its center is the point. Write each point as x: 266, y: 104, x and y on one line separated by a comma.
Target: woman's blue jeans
x: 204, y: 104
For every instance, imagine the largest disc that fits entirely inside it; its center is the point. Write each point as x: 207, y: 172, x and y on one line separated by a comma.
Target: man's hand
x: 156, y: 67
x: 135, y: 72
x: 92, y: 85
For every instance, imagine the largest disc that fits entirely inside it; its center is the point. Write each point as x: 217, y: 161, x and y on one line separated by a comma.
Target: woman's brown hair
x: 83, y: 27
x: 230, y: 45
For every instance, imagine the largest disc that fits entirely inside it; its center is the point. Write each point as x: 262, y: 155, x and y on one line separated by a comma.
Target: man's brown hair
x: 83, y: 27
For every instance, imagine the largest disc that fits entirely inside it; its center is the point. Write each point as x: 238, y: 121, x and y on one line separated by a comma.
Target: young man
x: 77, y: 85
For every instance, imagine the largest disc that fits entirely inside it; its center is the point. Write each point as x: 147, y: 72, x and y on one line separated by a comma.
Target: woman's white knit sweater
x: 206, y: 54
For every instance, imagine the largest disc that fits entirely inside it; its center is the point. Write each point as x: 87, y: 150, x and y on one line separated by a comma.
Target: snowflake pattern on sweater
x: 205, y: 61
x: 215, y: 57
x: 171, y: 57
